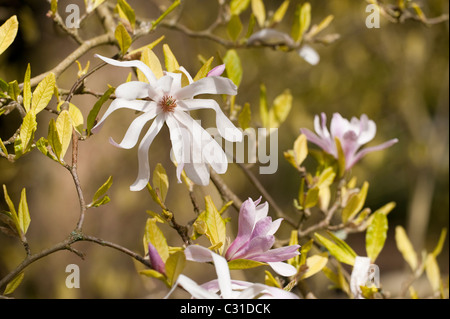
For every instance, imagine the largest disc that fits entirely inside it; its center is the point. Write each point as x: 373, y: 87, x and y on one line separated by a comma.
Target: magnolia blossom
x: 155, y: 259
x: 254, y: 239
x: 351, y: 134
x: 165, y: 100
x: 225, y: 288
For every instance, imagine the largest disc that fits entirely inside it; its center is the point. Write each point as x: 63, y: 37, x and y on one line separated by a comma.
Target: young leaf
x: 155, y: 274
x: 150, y: 59
x: 13, y: 284
x: 27, y: 89
x: 341, y: 157
x: 23, y: 212
x: 237, y: 6
x: 337, y: 250
x: 64, y: 129
x: 216, y: 225
x: 3, y: 148
x: 203, y: 72
x: 312, y: 196
x: 103, y: 189
x: 43, y: 93
x: 27, y: 130
x: 174, y: 4
x: 155, y: 236
x: 174, y: 266
x: 8, y: 32
x: 433, y: 272
x: 13, y: 90
x: 376, y: 235
x: 76, y: 117
x: 300, y: 149
x: 53, y: 139
x: 169, y: 59
x: 234, y: 27
x: 245, y: 117
x: 160, y: 182
x: 123, y: 38
x: 263, y: 106
x: 355, y: 204
x: 126, y: 12
x: 233, y: 66
x: 437, y: 250
x: 280, y: 13
x: 306, y: 247
x: 294, y: 261
x: 405, y: 247
x: 281, y: 107
x: 302, y: 20
x: 259, y: 11
x: 12, y: 210
x: 271, y: 281
x: 244, y: 264
x: 92, y: 116
x: 315, y: 264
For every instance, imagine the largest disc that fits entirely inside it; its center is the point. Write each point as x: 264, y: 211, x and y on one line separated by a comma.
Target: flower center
x: 167, y: 103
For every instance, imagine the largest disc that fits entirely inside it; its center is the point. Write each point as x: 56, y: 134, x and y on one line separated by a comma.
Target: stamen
x: 167, y: 103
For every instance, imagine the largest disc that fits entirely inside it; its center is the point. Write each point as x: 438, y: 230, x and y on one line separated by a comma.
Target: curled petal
x: 208, y: 85
x: 198, y: 253
x: 193, y: 288
x: 364, y: 151
x: 283, y: 269
x: 367, y: 130
x: 198, y: 173
x: 144, y: 167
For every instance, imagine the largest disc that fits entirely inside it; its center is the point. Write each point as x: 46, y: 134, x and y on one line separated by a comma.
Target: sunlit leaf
x: 27, y: 89
x: 8, y: 32
x: 154, y: 274
x: 27, y: 130
x: 203, y: 72
x: 355, y: 204
x: 152, y: 61
x: 280, y: 110
x: 126, y: 12
x: 437, y: 250
x: 315, y: 29
x: 337, y: 250
x: 244, y: 264
x: 237, y: 6
x: 160, y: 182
x: 216, y: 225
x: 245, y: 117
x: 92, y: 116
x: 43, y: 93
x: 233, y: 66
x: 304, y: 249
x: 376, y: 235
x: 155, y: 236
x: 234, y: 27
x: 271, y: 281
x: 12, y: 210
x: 405, y: 247
x: 280, y: 12
x: 3, y: 148
x: 169, y: 59
x: 64, y: 128
x: 259, y: 11
x: 174, y: 4
x: 13, y: 284
x: 312, y: 196
x: 302, y: 20
x: 433, y: 272
x: 23, y: 212
x: 341, y: 157
x: 123, y: 38
x: 103, y: 189
x: 53, y: 139
x: 300, y: 149
x: 174, y: 266
x: 263, y: 106
x: 13, y: 90
x: 293, y: 240
x: 315, y: 264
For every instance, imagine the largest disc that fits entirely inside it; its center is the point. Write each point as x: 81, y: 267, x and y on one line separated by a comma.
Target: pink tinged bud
x: 155, y: 259
x: 217, y: 71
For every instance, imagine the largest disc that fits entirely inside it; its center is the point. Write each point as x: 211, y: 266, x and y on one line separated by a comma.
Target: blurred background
x: 396, y: 74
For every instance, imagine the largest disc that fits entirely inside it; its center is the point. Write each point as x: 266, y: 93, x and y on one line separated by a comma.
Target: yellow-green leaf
x: 233, y: 66
x: 355, y: 204
x: 76, y: 117
x: 234, y: 27
x: 437, y: 250
x: 43, y: 93
x: 152, y: 61
x: 271, y: 281
x: 155, y: 236
x: 216, y: 225
x: 263, y: 106
x: 53, y: 139
x: 169, y: 59
x: 306, y: 247
x: 203, y: 72
x: 8, y: 32
x: 174, y: 266
x: 315, y: 29
x: 13, y: 284
x: 312, y: 196
x: 27, y: 89
x: 341, y: 157
x: 154, y: 274
x: 281, y: 107
x: 160, y: 182
x: 302, y: 21
x: 103, y: 189
x: 12, y: 209
x: 405, y: 247
x: 126, y: 12
x: 174, y: 4
x: 293, y: 240
x: 64, y: 129
x: 376, y: 235
x: 315, y: 264
x: 149, y: 46
x: 245, y: 117
x: 123, y: 38
x: 92, y: 116
x: 23, y: 212
x: 13, y: 90
x: 433, y: 272
x: 259, y: 11
x: 339, y: 251
x: 237, y: 6
x: 280, y: 12
x: 3, y: 148
x: 27, y: 130
x: 244, y: 264
x: 300, y: 149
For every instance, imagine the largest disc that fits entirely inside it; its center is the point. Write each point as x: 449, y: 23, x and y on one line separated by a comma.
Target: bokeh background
x: 397, y: 75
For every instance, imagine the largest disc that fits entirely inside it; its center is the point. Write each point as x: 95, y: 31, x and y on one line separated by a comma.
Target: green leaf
x: 216, y: 232
x: 13, y: 284
x: 123, y: 38
x: 174, y: 266
x: 302, y: 20
x: 43, y: 146
x: 337, y: 250
x: 306, y: 247
x: 155, y: 236
x: 405, y: 247
x: 12, y: 210
x: 169, y: 59
x: 27, y: 89
x: 300, y: 149
x: 126, y: 12
x: 160, y: 182
x: 271, y: 281
x: 149, y: 46
x: 175, y: 4
x: 43, y: 93
x: 236, y: 264
x: 102, y: 201
x: 437, y: 250
x: 8, y: 32
x: 433, y: 272
x: 64, y: 129
x: 234, y: 27
x: 152, y: 61
x: 237, y: 6
x: 54, y: 6
x: 27, y: 130
x: 355, y: 203
x: 259, y: 11
x: 376, y: 235
x: 23, y: 212
x: 263, y: 106
x: 76, y: 117
x: 251, y: 26
x: 103, y: 189
x: 312, y: 196
x: 3, y: 148
x: 281, y: 107
x: 92, y: 116
x: 326, y: 178
x: 293, y: 240
x: 203, y: 72
x: 245, y: 117
x: 154, y: 274
x: 13, y: 90
x: 315, y: 264
x: 54, y: 140
x: 233, y: 66
x: 280, y: 13
x: 315, y: 29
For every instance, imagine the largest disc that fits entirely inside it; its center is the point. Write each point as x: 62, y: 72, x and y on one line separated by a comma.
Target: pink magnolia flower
x: 254, y: 240
x: 352, y: 135
x: 156, y: 260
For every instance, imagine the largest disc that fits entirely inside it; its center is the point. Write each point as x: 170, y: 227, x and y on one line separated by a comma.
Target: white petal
x: 134, y: 63
x: 144, y: 167
x: 224, y: 125
x: 252, y: 291
x: 165, y: 83
x: 309, y: 55
x: 134, y: 130
x: 198, y: 173
x: 193, y: 288
x: 180, y: 139
x: 137, y: 105
x: 261, y: 211
x: 359, y: 276
x: 132, y: 90
x: 223, y: 275
x: 198, y: 253
x: 188, y: 76
x: 282, y: 268
x: 208, y: 85
x: 274, y: 227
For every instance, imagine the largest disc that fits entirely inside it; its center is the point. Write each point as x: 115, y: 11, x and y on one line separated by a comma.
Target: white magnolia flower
x: 165, y: 100
x: 225, y: 288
